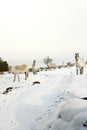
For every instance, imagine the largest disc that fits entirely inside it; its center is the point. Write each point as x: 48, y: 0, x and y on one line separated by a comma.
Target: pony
x: 52, y: 65
x: 19, y: 69
x: 79, y: 63
x: 34, y: 68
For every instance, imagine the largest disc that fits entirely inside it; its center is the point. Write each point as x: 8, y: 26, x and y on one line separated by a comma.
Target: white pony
x: 34, y: 68
x: 52, y: 65
x: 16, y: 70
x: 79, y: 63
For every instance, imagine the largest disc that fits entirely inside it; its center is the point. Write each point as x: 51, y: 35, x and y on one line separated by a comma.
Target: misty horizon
x: 35, y: 29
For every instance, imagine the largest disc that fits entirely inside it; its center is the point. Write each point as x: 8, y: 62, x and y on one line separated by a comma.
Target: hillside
x: 52, y: 104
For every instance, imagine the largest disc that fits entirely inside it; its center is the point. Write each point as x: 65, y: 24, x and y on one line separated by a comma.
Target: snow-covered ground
x: 54, y: 104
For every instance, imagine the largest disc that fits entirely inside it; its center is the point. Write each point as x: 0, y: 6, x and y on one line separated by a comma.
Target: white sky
x: 34, y: 29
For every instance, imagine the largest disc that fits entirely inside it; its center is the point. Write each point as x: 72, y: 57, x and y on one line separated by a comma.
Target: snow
x: 54, y: 104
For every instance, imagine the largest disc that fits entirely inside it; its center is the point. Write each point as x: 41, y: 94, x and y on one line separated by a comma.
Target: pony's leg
x: 14, y: 77
x: 25, y: 76
x: 77, y: 71
x: 18, y: 77
x: 81, y: 70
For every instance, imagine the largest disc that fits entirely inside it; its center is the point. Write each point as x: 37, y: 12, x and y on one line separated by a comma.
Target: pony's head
x: 76, y: 56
